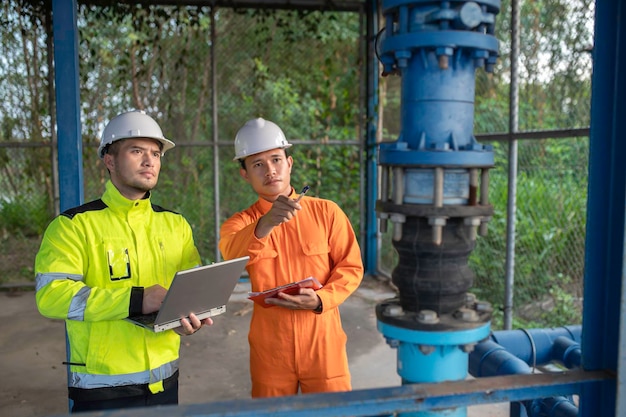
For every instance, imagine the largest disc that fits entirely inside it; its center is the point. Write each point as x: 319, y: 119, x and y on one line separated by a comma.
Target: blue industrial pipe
x: 432, y: 356
x: 538, y: 346
x: 434, y: 184
x: 568, y: 352
x: 511, y: 352
x: 491, y: 359
x: 553, y: 407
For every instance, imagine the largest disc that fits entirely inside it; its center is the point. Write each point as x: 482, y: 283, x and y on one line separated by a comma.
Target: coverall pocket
x: 317, y: 257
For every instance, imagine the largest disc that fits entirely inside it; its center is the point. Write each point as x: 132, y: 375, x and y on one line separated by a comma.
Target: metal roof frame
x: 322, y: 5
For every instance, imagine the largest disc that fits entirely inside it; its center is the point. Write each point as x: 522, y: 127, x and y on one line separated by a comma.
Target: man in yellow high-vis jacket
x: 113, y: 258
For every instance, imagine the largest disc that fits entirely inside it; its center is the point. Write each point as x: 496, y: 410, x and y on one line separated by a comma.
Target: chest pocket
x: 314, y: 244
x: 114, y: 261
x: 313, y: 240
x: 315, y: 248
x: 118, y: 262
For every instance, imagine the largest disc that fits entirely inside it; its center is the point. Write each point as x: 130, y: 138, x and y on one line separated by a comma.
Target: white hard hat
x: 132, y: 124
x: 258, y: 135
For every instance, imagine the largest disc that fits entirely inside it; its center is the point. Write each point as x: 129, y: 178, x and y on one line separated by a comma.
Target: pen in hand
x: 302, y: 193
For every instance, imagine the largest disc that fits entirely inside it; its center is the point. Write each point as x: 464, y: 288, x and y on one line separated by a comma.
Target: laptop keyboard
x: 146, y: 319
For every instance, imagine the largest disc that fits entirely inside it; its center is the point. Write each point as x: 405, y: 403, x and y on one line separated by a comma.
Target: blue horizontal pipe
x: 568, y: 352
x: 536, y: 346
x: 491, y: 359
x: 554, y: 407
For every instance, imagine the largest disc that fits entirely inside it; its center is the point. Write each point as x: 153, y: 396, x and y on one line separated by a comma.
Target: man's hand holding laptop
x: 192, y: 325
x: 153, y: 298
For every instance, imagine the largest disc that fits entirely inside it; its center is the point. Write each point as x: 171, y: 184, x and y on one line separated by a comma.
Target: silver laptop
x: 204, y: 291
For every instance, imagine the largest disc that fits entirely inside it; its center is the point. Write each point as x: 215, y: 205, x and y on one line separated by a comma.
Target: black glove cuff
x: 136, y: 301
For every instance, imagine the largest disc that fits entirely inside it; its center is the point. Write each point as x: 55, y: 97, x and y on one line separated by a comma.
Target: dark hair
x: 112, y: 148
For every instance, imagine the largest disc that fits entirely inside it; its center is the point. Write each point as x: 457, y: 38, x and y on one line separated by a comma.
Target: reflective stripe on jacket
x: 90, y: 258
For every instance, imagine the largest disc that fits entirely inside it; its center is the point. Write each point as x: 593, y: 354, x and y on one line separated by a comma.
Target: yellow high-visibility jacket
x: 90, y: 259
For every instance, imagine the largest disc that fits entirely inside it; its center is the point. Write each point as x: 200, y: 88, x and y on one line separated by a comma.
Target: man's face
x: 269, y: 173
x: 134, y: 165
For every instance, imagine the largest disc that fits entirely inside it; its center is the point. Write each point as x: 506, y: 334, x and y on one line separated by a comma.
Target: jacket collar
x: 115, y: 200
x: 264, y: 206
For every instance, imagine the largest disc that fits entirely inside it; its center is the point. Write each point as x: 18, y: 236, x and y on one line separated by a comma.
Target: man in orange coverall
x: 297, y: 343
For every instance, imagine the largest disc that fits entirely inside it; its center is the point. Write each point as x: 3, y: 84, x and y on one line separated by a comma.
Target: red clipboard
x: 291, y: 289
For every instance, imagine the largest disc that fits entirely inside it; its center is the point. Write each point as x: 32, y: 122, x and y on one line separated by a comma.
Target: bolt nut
x: 468, y: 348
x: 427, y: 317
x: 483, y: 229
x: 466, y: 314
x: 397, y: 218
x: 443, y: 61
x: 472, y: 221
x: 484, y: 307
x: 393, y: 343
x: 393, y: 310
x: 470, y: 298
x: 437, y: 221
x: 426, y: 349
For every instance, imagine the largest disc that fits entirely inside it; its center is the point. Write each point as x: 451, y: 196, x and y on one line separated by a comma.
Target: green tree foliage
x: 304, y: 71
x: 26, y: 192
x: 550, y: 230
x: 554, y: 60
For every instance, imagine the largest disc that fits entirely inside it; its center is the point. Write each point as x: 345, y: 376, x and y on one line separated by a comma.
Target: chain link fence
x: 203, y: 72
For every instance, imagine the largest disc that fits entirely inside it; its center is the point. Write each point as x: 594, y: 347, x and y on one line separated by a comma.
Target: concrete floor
x: 214, y: 362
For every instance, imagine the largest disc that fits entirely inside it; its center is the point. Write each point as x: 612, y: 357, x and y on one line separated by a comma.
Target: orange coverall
x: 291, y: 349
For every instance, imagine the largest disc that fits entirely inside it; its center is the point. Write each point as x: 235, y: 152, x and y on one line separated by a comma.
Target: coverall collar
x: 265, y: 205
